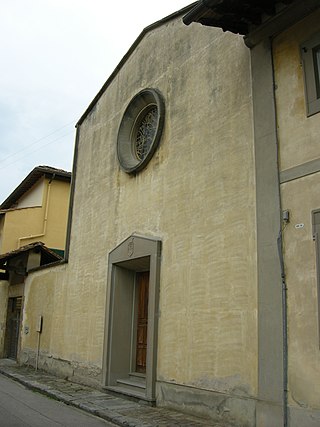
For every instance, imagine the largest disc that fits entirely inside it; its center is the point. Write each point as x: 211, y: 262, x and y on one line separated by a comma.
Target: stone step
x: 137, y: 394
x: 136, y: 376
x: 132, y: 383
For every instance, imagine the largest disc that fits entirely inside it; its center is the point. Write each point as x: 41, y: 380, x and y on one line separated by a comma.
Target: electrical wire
x: 35, y: 142
x: 34, y: 151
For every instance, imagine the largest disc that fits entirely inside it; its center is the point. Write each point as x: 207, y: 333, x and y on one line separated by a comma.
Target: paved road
x: 20, y: 407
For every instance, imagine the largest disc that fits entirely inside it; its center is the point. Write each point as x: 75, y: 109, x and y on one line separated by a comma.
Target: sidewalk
x: 118, y: 410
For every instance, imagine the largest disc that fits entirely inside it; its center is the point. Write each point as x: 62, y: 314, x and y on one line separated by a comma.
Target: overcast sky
x: 55, y: 56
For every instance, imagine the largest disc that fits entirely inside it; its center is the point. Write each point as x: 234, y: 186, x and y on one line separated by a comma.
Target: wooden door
x: 13, y: 327
x: 142, y: 321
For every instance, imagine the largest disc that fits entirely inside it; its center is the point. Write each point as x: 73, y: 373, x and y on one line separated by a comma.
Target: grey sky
x: 55, y: 56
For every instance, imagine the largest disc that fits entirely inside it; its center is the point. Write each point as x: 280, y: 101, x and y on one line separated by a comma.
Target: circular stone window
x: 140, y: 130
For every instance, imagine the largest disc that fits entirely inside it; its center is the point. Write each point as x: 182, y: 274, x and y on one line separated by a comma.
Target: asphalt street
x: 20, y: 407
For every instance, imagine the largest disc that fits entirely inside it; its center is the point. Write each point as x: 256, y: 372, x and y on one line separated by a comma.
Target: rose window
x: 140, y: 130
x: 145, y: 133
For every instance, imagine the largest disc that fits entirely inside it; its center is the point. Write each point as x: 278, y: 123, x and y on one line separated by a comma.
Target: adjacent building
x: 33, y: 226
x: 36, y: 210
x: 14, y: 268
x: 284, y: 42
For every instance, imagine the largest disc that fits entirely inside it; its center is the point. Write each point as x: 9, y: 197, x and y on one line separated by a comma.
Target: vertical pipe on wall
x: 38, y: 350
x: 282, y: 266
x: 39, y: 330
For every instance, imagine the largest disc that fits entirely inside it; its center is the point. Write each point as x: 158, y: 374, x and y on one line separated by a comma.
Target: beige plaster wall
x: 298, y: 134
x: 73, y: 315
x: 301, y: 197
x: 28, y: 225
x: 197, y: 194
x: 299, y: 143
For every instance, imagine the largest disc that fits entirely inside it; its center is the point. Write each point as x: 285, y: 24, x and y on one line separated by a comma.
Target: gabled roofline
x: 31, y: 179
x: 128, y: 54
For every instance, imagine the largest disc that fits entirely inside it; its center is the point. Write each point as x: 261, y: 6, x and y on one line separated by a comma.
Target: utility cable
x: 34, y: 151
x: 35, y: 142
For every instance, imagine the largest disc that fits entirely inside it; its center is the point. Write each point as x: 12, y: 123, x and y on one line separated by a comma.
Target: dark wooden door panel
x: 13, y: 327
x: 142, y: 321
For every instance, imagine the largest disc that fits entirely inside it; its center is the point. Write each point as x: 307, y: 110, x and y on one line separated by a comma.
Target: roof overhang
x: 47, y: 255
x: 252, y: 19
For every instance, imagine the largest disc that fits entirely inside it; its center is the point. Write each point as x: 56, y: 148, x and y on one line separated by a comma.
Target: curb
x: 37, y: 387
x: 116, y: 410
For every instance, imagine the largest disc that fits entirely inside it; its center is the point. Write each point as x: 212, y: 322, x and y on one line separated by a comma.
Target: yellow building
x: 34, y: 215
x: 192, y: 265
x: 37, y: 210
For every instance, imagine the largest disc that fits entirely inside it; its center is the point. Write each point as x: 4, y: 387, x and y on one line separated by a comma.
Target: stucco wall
x: 298, y: 134
x: 71, y: 340
x: 299, y: 143
x: 301, y: 197
x: 58, y: 214
x: 197, y: 194
x: 19, y: 223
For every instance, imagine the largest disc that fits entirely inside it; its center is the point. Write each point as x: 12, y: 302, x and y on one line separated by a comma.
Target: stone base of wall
x: 77, y: 372
x: 304, y: 417
x: 219, y: 407
x: 269, y: 414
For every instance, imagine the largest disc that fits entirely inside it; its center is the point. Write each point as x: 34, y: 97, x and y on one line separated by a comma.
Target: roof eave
x: 39, y: 246
x: 240, y: 17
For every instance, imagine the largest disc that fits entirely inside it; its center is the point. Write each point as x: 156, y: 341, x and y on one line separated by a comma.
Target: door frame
x: 135, y: 254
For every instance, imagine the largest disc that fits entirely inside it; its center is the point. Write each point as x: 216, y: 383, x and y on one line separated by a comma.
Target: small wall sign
x: 297, y: 226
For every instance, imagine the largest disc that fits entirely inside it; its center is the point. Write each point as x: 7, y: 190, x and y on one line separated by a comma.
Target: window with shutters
x: 310, y: 53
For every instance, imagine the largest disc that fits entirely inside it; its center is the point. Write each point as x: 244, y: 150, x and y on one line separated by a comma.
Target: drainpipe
x: 45, y: 220
x: 284, y: 330
x: 282, y: 267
